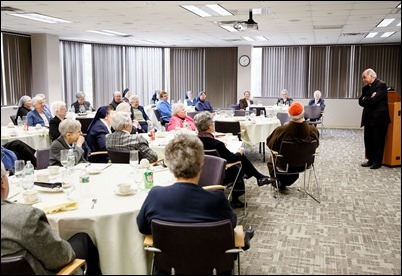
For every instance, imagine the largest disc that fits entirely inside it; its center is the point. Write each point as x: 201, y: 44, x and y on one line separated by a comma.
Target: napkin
x: 52, y: 207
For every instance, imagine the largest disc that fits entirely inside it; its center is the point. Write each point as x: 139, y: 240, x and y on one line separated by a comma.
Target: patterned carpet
x: 355, y: 230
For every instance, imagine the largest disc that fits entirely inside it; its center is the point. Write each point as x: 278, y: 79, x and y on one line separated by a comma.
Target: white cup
x: 144, y: 163
x: 38, y: 126
x: 53, y: 169
x: 30, y: 196
x: 42, y: 177
x: 124, y: 188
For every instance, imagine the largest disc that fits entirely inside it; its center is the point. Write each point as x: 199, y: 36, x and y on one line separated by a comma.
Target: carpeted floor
x: 356, y: 229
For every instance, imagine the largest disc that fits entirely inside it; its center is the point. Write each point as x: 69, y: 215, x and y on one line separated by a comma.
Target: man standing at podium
x: 375, y: 118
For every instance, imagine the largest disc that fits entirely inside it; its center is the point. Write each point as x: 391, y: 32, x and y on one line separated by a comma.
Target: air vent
x: 328, y: 27
x: 9, y: 9
x: 352, y: 34
x: 233, y: 40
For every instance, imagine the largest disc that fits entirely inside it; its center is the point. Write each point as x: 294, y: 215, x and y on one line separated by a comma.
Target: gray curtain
x: 143, y: 71
x: 107, y: 68
x: 17, y: 73
x: 72, y: 70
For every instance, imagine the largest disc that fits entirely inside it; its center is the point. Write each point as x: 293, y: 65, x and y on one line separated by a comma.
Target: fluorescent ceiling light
x: 385, y: 22
x: 197, y: 11
x: 370, y: 35
x: 109, y: 33
x: 248, y: 38
x: 228, y: 28
x: 399, y: 6
x: 207, y: 10
x: 399, y: 24
x: 261, y: 38
x: 387, y: 34
x: 40, y: 17
x: 217, y: 8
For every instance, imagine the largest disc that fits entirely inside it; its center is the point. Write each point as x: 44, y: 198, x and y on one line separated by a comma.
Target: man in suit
x: 284, y: 99
x: 25, y: 231
x: 317, y: 100
x: 296, y: 130
x: 244, y: 104
x: 122, y: 139
x: 375, y: 118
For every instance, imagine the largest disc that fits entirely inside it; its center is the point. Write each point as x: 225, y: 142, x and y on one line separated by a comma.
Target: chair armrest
x: 98, y: 153
x: 214, y: 187
x: 149, y: 240
x: 274, y: 152
x: 238, y: 236
x: 232, y: 164
x: 72, y: 267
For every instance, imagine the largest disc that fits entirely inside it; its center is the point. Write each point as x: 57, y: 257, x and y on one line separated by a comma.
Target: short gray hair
x: 123, y: 106
x: 203, y: 120
x: 370, y: 72
x: 317, y: 92
x: 134, y: 97
x: 55, y: 107
x: 80, y: 95
x: 177, y: 107
x: 69, y: 125
x: 185, y: 155
x: 120, y: 119
x: 36, y: 99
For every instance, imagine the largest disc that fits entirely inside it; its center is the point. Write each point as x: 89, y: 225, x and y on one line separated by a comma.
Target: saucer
x: 117, y: 192
x: 93, y: 171
x: 30, y: 203
x: 49, y: 190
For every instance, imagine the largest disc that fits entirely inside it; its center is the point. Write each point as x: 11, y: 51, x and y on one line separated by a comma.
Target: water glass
x: 63, y: 158
x: 19, y: 170
x: 67, y: 182
x: 134, y: 161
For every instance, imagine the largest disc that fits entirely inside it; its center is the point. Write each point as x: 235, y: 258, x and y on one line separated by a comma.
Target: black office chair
x: 202, y: 248
x: 192, y: 113
x: 294, y: 158
x: 42, y: 158
x: 119, y: 157
x: 159, y: 117
x: 314, y: 116
x: 258, y: 110
x: 18, y: 265
x: 283, y: 117
x: 14, y: 119
x: 228, y: 127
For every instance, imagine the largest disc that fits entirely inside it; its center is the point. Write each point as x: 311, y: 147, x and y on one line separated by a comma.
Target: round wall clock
x: 244, y: 60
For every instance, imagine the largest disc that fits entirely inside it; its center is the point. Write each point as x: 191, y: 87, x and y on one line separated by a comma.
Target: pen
x: 106, y: 167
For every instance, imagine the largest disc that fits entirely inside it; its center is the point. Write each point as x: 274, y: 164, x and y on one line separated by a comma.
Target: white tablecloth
x: 111, y: 223
x: 36, y: 138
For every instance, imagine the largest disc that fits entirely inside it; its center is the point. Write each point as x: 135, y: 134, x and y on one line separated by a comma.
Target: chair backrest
x: 193, y: 248
x: 15, y: 265
x: 312, y: 112
x: 119, y: 156
x: 234, y: 106
x: 213, y: 171
x: 159, y: 116
x: 257, y: 110
x: 296, y: 156
x: 212, y: 152
x: 240, y: 113
x: 283, y: 117
x: 85, y: 122
x: 192, y: 113
x: 228, y: 127
x: 14, y: 119
x: 42, y: 158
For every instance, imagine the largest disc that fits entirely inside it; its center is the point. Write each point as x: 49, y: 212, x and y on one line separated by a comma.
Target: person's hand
x: 80, y: 141
x: 372, y: 95
x: 241, y: 150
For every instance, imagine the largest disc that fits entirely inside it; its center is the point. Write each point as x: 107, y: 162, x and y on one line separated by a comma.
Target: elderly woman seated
x: 70, y: 138
x: 123, y: 140
x: 180, y: 119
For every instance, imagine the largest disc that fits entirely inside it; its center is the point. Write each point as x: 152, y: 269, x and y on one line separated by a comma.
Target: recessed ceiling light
x: 228, y: 28
x: 207, y: 10
x: 261, y: 38
x: 247, y: 38
x: 40, y: 17
x: 109, y: 33
x: 196, y: 10
x: 217, y: 8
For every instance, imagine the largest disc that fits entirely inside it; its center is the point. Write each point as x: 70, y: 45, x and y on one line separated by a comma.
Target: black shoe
x: 375, y: 166
x: 265, y: 180
x: 237, y: 204
x: 249, y: 234
x: 367, y: 164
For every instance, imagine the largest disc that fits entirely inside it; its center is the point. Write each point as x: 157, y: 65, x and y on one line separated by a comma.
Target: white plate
x: 49, y: 190
x: 93, y: 171
x: 117, y: 192
x: 37, y: 201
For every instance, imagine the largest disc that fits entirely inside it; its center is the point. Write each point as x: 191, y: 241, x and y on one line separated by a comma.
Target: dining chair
x: 192, y: 113
x: 42, y: 158
x: 228, y: 127
x: 14, y: 119
x: 314, y: 115
x: 122, y: 157
x: 295, y: 158
x: 283, y: 117
x: 201, y: 248
x: 18, y: 265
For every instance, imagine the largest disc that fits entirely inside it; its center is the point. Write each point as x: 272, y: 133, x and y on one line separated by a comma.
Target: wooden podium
x: 392, y: 149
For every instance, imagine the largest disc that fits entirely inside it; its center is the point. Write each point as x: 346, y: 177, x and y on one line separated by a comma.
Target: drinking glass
x: 19, y: 170
x: 67, y: 182
x: 134, y: 159
x: 63, y: 158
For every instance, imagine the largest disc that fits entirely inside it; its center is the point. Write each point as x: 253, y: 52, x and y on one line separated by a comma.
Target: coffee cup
x: 30, y: 196
x: 53, y: 169
x: 38, y: 126
x: 144, y: 163
x: 124, y: 188
x: 42, y: 177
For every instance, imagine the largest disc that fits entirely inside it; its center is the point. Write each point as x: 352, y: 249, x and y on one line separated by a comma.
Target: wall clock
x: 244, y: 60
